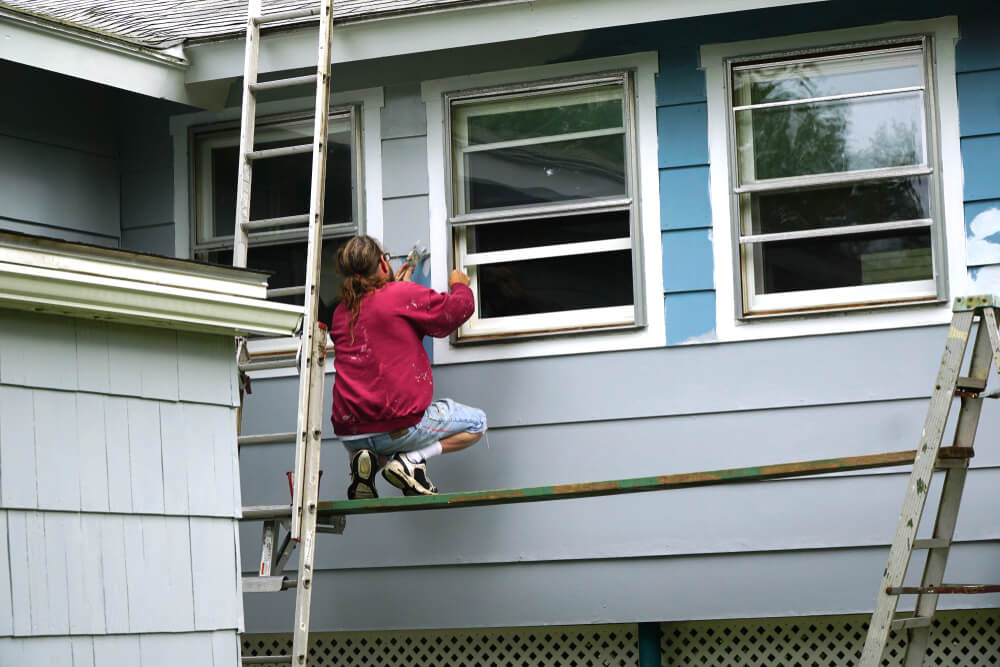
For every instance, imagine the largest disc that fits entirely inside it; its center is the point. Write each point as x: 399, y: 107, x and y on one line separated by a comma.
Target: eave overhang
x: 55, y: 277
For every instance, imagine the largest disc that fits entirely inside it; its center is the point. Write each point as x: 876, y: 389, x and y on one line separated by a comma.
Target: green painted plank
x: 615, y: 487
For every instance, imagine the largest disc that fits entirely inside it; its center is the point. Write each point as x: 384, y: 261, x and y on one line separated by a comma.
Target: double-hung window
x: 280, y: 188
x: 541, y: 206
x: 834, y: 178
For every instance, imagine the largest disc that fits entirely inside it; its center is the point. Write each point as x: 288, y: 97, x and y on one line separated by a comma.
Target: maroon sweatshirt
x: 383, y: 381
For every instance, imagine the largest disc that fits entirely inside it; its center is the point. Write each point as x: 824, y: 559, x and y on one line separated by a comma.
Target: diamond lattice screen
x: 966, y: 638
x: 579, y: 646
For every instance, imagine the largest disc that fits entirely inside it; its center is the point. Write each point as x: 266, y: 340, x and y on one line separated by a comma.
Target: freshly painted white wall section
x: 728, y: 327
x: 645, y: 66
x: 474, y: 26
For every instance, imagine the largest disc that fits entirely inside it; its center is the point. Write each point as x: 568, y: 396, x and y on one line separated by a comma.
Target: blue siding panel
x: 687, y: 260
x: 977, y: 49
x: 679, y: 81
x: 982, y: 232
x: 979, y: 102
x: 690, y: 316
x: 980, y: 158
x: 684, y: 200
x: 683, y: 135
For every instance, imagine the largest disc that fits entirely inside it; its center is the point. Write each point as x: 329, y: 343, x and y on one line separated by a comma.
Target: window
x: 542, y: 210
x: 834, y: 178
x: 280, y: 188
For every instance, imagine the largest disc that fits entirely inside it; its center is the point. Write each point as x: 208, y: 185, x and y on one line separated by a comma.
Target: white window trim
x: 728, y: 327
x: 645, y: 65
x: 370, y: 100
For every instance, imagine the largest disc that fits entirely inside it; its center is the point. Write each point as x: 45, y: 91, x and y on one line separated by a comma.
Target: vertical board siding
x: 143, y: 362
x: 56, y: 528
x: 93, y: 365
x: 57, y: 450
x: 6, y: 602
x: 37, y: 350
x: 117, y: 651
x: 178, y: 452
x: 118, y: 454
x: 83, y: 651
x: 17, y: 448
x: 145, y: 456
x: 225, y: 649
x: 213, y: 556
x: 91, y: 435
x: 205, y: 369
x: 20, y: 587
x: 115, y: 574
x: 85, y: 577
x: 38, y: 581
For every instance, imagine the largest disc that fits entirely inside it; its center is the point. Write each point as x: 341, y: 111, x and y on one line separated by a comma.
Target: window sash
x: 459, y: 219
x: 845, y: 230
x: 208, y: 138
x: 753, y: 305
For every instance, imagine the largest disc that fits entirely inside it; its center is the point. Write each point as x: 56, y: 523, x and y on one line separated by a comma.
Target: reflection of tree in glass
x: 549, y: 121
x: 894, y: 143
x: 798, y: 139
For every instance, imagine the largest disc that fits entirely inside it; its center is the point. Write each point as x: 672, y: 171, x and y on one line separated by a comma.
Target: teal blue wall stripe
x: 687, y: 260
x: 679, y: 81
x: 683, y: 135
x: 979, y: 102
x: 649, y: 645
x: 980, y: 157
x: 689, y: 316
x: 684, y: 199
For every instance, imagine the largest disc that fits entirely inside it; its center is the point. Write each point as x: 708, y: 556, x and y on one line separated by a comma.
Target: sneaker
x: 363, y: 467
x: 408, y: 476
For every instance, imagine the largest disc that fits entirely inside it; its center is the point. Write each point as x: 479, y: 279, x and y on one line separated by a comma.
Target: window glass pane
x: 842, y: 261
x: 281, y: 185
x: 537, y: 116
x: 836, y: 206
x: 287, y: 265
x: 828, y: 137
x: 550, y: 231
x: 811, y: 78
x: 545, y: 172
x: 555, y: 284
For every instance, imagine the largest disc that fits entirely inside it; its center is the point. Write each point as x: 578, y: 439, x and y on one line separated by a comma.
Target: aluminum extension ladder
x: 300, y: 518
x: 970, y: 390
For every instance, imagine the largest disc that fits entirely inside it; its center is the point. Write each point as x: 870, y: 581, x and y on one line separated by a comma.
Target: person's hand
x: 458, y: 277
x: 405, y: 273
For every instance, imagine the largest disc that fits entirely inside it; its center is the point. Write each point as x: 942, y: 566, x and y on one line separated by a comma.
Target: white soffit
x: 49, y: 276
x: 213, y: 61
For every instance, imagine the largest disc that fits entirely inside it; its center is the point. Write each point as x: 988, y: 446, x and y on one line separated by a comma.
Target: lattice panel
x: 967, y: 638
x: 577, y: 646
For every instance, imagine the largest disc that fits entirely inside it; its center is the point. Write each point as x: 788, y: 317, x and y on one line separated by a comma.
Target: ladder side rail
x: 307, y: 543
x: 918, y: 485
x: 268, y: 546
x: 248, y: 121
x: 317, y: 193
x: 951, y: 498
x: 989, y: 319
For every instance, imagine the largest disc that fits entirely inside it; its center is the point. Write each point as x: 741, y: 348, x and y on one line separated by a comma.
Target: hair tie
x: 357, y: 275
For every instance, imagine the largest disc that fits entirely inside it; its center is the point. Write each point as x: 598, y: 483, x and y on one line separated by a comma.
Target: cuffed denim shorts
x: 442, y: 418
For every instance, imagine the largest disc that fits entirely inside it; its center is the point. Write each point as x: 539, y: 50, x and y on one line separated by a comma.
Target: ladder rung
x: 267, y: 660
x: 910, y: 623
x: 275, y: 17
x: 267, y: 584
x: 277, y: 222
x: 278, y: 292
x: 932, y: 543
x: 290, y: 362
x: 265, y: 439
x: 258, y: 512
x: 972, y: 385
x: 956, y: 453
x: 944, y: 589
x: 283, y: 83
x: 279, y: 152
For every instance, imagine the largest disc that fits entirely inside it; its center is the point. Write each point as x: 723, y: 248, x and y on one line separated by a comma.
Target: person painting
x: 382, y: 394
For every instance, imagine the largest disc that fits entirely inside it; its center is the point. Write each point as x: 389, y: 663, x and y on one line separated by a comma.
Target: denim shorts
x: 442, y: 418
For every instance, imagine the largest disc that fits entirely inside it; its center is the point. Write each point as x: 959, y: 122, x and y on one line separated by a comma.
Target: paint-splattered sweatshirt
x: 383, y: 381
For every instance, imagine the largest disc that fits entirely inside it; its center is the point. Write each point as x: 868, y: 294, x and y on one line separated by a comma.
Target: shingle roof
x: 165, y: 23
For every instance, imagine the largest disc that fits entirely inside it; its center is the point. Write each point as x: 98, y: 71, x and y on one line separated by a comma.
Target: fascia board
x: 121, y: 300
x: 213, y: 61
x: 68, y: 50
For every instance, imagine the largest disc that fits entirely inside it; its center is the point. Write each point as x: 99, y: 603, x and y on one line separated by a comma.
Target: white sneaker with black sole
x: 410, y: 477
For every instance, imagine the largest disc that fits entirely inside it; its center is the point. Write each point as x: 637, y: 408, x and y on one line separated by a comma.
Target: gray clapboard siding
x: 118, y: 454
x: 215, y: 576
x: 404, y: 114
x: 37, y: 350
x: 93, y: 466
x: 57, y: 450
x: 116, y: 650
x: 93, y: 356
x: 156, y: 239
x: 114, y: 570
x: 87, y: 185
x: 204, y: 369
x: 17, y: 461
x: 404, y: 222
x: 84, y: 576
x: 743, y: 585
x: 75, y: 236
x: 145, y: 456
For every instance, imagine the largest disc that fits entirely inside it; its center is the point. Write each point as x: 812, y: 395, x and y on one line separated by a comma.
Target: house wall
x: 118, y: 495
x: 796, y: 547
